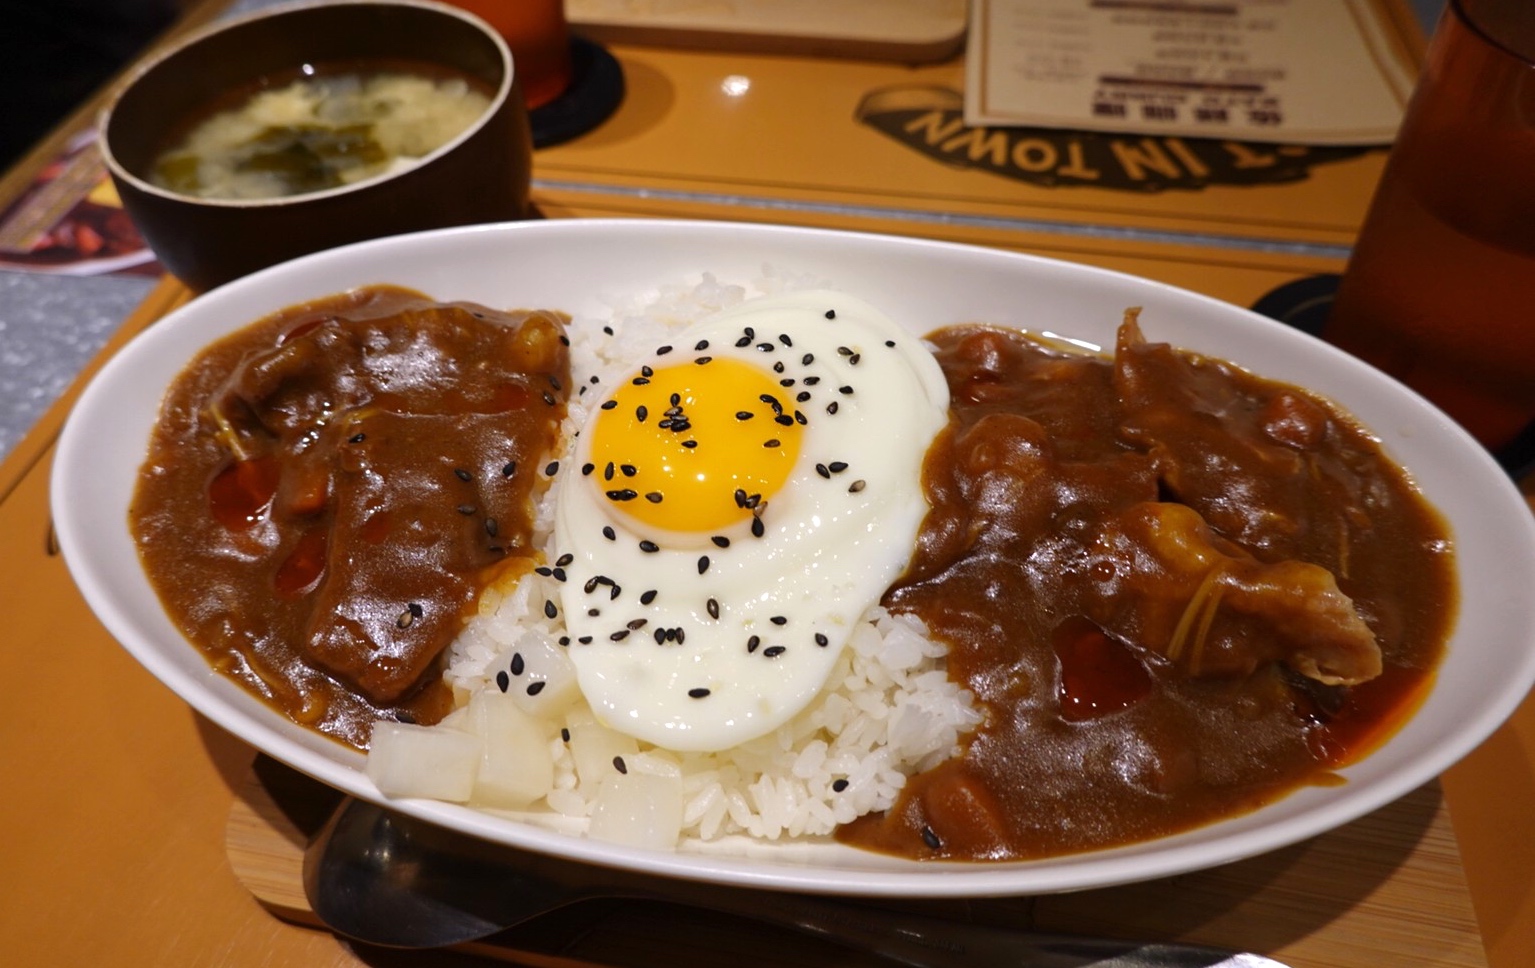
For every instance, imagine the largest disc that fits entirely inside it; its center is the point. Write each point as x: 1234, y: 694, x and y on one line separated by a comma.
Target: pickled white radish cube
x: 541, y: 676
x: 515, y: 765
x: 594, y: 747
x: 406, y: 760
x: 638, y: 809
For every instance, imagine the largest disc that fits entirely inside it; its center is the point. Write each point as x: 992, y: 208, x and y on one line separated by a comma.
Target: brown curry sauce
x: 1165, y: 579
x: 328, y: 490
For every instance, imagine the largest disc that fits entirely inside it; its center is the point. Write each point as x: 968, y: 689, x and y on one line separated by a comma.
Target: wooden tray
x: 910, y: 31
x: 1386, y: 890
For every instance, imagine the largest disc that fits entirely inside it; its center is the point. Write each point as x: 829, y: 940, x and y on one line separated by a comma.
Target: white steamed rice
x: 888, y: 711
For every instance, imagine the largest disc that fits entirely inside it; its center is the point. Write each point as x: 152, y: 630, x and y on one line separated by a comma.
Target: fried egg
x: 738, y: 502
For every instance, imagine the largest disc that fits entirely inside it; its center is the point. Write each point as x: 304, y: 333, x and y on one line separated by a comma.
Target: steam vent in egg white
x: 738, y: 502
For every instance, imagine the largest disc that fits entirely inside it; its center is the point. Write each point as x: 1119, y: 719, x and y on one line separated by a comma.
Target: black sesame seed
x: 649, y: 547
x: 552, y: 468
x: 675, y: 398
x: 614, y: 592
x: 619, y: 765
x: 357, y: 438
x: 619, y: 636
x: 802, y: 396
x: 654, y: 497
x: 509, y: 469
x: 564, y: 560
x: 839, y: 784
x: 831, y: 407
x: 766, y: 347
x: 690, y: 444
x: 703, y: 564
x: 462, y: 474
x: 799, y: 418
x: 930, y: 838
x: 491, y: 527
x: 549, y: 610
x: 823, y: 470
x: 565, y: 733
x: 678, y: 635
x: 889, y: 342
x: 640, y: 381
x: 752, y: 643
x: 785, y: 340
x: 771, y: 442
x: 534, y: 688
x: 744, y: 415
x: 585, y: 640
x: 641, y: 412
x: 720, y: 541
x: 608, y: 330
x: 784, y: 420
x: 698, y: 693
x: 628, y: 470
x: 701, y: 345
x: 635, y: 625
x: 778, y: 367
x: 744, y: 341
x: 831, y: 314
x: 549, y: 398
x: 593, y: 612
x: 787, y: 382
x: 845, y: 390
x: 853, y: 360
x: 414, y: 609
x: 844, y: 351
x: 822, y: 640
x: 703, y: 359
x: 807, y: 359
x: 648, y: 596
x: 811, y: 381
x: 757, y: 528
x: 855, y: 487
x: 564, y: 640
x: 626, y: 494
x: 609, y: 404
x: 837, y: 466
x: 607, y: 472
x: 586, y: 469
x: 503, y: 681
x: 774, y: 651
x: 609, y: 533
x: 663, y: 350
x: 771, y: 401
x: 779, y: 620
x: 647, y: 371
x: 713, y: 608
x: 661, y: 635
x: 558, y: 573
x: 518, y: 665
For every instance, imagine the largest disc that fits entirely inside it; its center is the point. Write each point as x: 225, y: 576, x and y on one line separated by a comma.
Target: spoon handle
x: 939, y: 943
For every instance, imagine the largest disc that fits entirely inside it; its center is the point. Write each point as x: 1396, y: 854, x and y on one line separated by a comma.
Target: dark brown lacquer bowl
x: 480, y: 176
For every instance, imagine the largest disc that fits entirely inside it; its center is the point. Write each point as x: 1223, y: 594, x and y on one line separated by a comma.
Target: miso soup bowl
x: 480, y: 176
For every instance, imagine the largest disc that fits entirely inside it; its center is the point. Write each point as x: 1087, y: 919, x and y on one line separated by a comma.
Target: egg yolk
x: 695, y: 446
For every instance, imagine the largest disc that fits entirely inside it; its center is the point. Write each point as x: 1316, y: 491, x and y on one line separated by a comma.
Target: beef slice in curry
x: 1178, y: 590
x: 329, y: 489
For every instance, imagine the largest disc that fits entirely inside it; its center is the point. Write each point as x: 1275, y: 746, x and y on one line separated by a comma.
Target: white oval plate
x: 580, y: 266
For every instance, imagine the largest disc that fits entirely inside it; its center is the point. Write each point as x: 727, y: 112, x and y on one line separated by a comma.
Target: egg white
x: 682, y: 673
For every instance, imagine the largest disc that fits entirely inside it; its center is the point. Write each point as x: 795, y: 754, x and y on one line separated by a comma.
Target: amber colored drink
x: 1440, y: 291
x: 539, y: 36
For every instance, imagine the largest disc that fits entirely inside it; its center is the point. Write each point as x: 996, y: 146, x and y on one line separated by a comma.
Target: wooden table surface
x: 133, y: 832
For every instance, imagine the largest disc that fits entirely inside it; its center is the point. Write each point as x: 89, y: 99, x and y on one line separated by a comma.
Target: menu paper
x: 1288, y: 71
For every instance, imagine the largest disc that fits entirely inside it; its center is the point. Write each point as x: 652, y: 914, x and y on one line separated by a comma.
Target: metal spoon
x: 389, y: 880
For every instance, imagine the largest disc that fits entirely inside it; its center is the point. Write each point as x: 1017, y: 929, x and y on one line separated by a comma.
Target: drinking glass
x: 1440, y: 290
